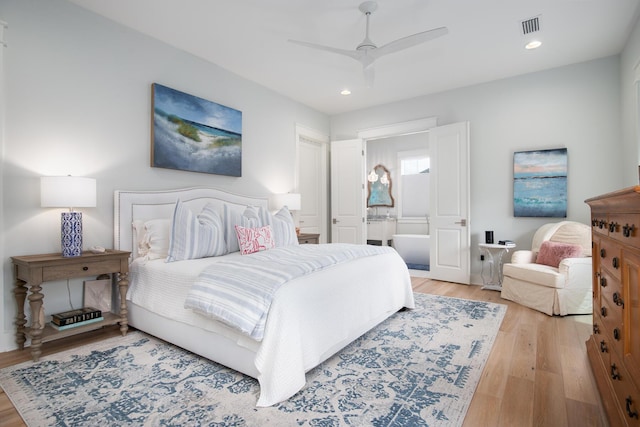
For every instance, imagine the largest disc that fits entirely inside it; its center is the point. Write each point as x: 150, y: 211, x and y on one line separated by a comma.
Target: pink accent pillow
x: 551, y: 253
x: 253, y: 240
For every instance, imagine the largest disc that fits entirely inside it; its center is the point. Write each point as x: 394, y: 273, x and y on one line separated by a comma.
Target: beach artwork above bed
x: 192, y: 134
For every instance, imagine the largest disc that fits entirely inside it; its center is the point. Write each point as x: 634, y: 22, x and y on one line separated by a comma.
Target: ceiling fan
x: 367, y: 51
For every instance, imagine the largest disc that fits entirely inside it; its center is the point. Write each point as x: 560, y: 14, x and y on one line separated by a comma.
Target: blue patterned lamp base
x: 71, y: 234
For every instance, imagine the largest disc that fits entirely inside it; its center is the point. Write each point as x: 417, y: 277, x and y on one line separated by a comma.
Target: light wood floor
x: 537, y: 374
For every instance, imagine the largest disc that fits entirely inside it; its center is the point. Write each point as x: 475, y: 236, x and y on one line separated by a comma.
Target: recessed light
x: 534, y: 44
x: 345, y: 92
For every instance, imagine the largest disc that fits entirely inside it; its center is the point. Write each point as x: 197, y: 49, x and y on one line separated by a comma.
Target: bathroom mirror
x: 379, y: 187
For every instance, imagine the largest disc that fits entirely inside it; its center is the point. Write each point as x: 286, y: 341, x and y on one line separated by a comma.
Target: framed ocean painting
x: 192, y: 134
x: 540, y: 183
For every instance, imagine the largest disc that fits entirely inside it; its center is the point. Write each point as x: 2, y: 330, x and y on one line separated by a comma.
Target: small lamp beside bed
x: 293, y: 202
x: 69, y: 192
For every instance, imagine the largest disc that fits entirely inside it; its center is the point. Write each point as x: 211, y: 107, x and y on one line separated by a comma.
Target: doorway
x: 449, y: 193
x: 311, y: 181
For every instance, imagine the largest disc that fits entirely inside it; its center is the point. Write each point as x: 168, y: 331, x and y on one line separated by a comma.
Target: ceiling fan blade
x: 409, y: 41
x: 350, y: 53
x: 369, y: 76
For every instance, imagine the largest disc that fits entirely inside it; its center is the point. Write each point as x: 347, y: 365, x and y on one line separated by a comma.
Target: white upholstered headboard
x: 130, y: 206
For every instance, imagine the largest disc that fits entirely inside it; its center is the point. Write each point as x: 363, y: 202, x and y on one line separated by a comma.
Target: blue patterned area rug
x: 418, y: 368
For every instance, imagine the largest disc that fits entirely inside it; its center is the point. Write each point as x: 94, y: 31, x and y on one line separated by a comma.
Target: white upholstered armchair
x: 549, y: 281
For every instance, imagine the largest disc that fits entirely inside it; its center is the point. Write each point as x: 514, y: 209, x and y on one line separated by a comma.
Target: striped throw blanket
x: 239, y: 292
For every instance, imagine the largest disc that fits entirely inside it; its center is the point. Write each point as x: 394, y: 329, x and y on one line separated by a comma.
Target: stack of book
x: 74, y: 318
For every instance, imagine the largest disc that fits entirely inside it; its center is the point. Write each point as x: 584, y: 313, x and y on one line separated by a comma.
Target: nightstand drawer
x: 64, y: 271
x: 308, y: 239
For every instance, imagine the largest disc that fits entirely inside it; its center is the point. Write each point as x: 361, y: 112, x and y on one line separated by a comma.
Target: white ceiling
x: 485, y: 41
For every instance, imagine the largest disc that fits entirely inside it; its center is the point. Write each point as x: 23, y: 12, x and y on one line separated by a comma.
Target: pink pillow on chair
x: 551, y: 253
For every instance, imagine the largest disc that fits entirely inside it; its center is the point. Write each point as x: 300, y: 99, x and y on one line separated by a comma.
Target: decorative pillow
x: 196, y: 236
x: 252, y: 240
x: 551, y: 253
x: 238, y: 215
x: 256, y: 216
x: 284, y: 229
x: 138, y: 236
x: 156, y: 238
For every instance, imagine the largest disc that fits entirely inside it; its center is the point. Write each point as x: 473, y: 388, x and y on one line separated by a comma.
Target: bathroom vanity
x: 380, y: 230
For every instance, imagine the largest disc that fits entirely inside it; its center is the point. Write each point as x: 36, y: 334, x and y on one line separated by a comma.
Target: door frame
x: 405, y: 128
x: 398, y: 129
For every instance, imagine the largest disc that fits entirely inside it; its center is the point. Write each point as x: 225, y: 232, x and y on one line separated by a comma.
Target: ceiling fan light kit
x: 367, y: 51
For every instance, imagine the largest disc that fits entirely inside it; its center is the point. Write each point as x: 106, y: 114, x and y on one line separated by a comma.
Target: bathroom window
x: 414, y: 184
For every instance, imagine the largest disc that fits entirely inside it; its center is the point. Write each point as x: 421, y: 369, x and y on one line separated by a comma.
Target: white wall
x: 577, y: 107
x: 78, y: 101
x: 629, y: 59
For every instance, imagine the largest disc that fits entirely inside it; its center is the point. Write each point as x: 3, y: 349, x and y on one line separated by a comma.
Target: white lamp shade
x: 293, y: 201
x: 67, y: 192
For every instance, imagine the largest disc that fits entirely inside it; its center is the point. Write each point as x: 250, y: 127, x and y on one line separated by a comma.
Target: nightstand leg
x: 123, y: 284
x: 35, y: 302
x: 20, y: 293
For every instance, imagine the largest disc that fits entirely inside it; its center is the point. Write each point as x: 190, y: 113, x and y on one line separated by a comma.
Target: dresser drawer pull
x: 612, y: 227
x: 615, y: 262
x: 615, y: 375
x: 602, y: 224
x: 596, y: 329
x: 618, y: 300
x: 603, y: 312
x: 603, y: 282
x: 632, y: 414
x: 627, y: 230
x: 616, y: 334
x: 603, y: 253
x: 85, y: 268
x: 603, y: 347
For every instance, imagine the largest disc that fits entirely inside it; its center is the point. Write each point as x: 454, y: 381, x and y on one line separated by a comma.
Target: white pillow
x: 196, y: 236
x: 138, y: 236
x: 157, y: 233
x: 284, y: 229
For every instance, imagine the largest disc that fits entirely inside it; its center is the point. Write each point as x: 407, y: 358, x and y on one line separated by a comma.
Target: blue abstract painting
x: 192, y: 134
x: 540, y: 183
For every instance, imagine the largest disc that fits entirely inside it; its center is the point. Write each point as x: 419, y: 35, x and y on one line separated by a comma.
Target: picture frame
x: 540, y: 183
x: 189, y: 133
x: 97, y: 294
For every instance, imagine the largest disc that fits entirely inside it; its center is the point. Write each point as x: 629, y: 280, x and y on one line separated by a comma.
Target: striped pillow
x: 248, y: 217
x: 284, y: 229
x: 196, y: 236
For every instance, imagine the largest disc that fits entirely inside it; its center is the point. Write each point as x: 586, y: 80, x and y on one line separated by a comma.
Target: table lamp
x: 69, y: 192
x: 293, y: 201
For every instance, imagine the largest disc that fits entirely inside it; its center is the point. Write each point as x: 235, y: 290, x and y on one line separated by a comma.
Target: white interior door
x: 347, y: 192
x: 312, y: 186
x: 449, y: 200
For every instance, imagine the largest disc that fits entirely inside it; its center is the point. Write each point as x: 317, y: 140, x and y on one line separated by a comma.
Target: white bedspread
x: 239, y: 292
x: 310, y: 319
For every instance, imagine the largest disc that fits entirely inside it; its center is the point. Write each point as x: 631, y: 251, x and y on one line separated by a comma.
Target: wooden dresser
x: 614, y: 346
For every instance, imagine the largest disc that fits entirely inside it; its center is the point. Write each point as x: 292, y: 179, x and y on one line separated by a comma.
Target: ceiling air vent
x: 530, y: 25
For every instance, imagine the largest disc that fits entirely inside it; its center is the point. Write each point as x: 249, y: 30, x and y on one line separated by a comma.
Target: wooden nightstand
x: 32, y: 270
x: 308, y: 238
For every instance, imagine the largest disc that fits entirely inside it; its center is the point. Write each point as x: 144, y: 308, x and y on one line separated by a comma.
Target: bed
x: 310, y: 317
